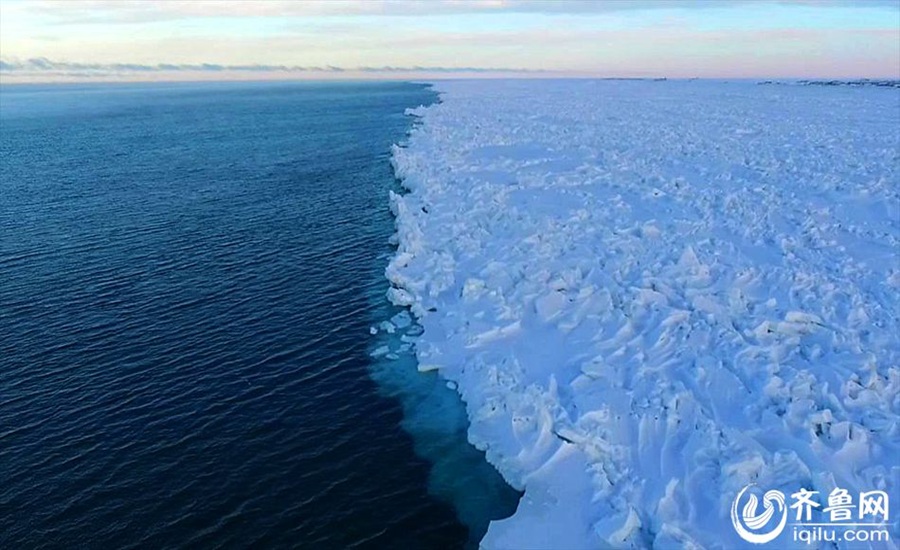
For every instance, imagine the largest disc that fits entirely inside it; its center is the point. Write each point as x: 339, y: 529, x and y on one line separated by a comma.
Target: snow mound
x: 652, y: 294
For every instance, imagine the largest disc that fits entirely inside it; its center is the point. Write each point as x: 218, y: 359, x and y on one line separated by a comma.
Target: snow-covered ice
x: 650, y: 294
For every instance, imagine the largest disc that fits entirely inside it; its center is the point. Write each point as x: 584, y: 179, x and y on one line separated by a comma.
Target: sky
x: 52, y: 40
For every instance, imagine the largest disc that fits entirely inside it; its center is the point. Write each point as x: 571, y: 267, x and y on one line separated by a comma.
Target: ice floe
x: 651, y: 294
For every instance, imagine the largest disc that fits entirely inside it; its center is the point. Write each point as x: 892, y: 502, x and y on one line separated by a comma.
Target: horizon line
x: 41, y: 70
x: 369, y: 77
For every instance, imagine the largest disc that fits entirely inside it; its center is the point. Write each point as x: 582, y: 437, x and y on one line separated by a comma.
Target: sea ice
x: 651, y: 294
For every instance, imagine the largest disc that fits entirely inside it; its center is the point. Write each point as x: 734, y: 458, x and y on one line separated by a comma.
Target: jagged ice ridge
x: 650, y: 294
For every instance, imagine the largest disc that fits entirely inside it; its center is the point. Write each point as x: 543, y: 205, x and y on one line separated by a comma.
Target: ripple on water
x: 187, y: 285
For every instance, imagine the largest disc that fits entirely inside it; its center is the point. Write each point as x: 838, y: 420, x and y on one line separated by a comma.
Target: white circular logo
x: 751, y: 525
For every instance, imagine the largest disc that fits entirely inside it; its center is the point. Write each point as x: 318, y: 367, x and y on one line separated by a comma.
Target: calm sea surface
x: 188, y: 274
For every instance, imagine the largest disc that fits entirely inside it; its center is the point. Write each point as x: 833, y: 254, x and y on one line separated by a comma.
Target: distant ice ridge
x: 651, y: 294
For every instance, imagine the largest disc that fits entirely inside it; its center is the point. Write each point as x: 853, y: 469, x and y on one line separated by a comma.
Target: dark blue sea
x: 188, y: 277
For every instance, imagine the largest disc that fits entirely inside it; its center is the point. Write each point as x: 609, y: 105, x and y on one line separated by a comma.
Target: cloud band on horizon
x: 44, y: 65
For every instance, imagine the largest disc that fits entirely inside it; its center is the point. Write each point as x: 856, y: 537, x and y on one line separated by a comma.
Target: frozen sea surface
x: 651, y: 294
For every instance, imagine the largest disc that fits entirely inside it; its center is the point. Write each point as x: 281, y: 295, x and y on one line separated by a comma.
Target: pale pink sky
x: 221, y: 39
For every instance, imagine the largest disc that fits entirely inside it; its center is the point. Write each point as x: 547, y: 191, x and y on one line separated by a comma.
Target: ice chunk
x: 402, y: 319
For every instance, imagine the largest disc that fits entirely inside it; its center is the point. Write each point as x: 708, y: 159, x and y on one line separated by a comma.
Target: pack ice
x: 651, y: 294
